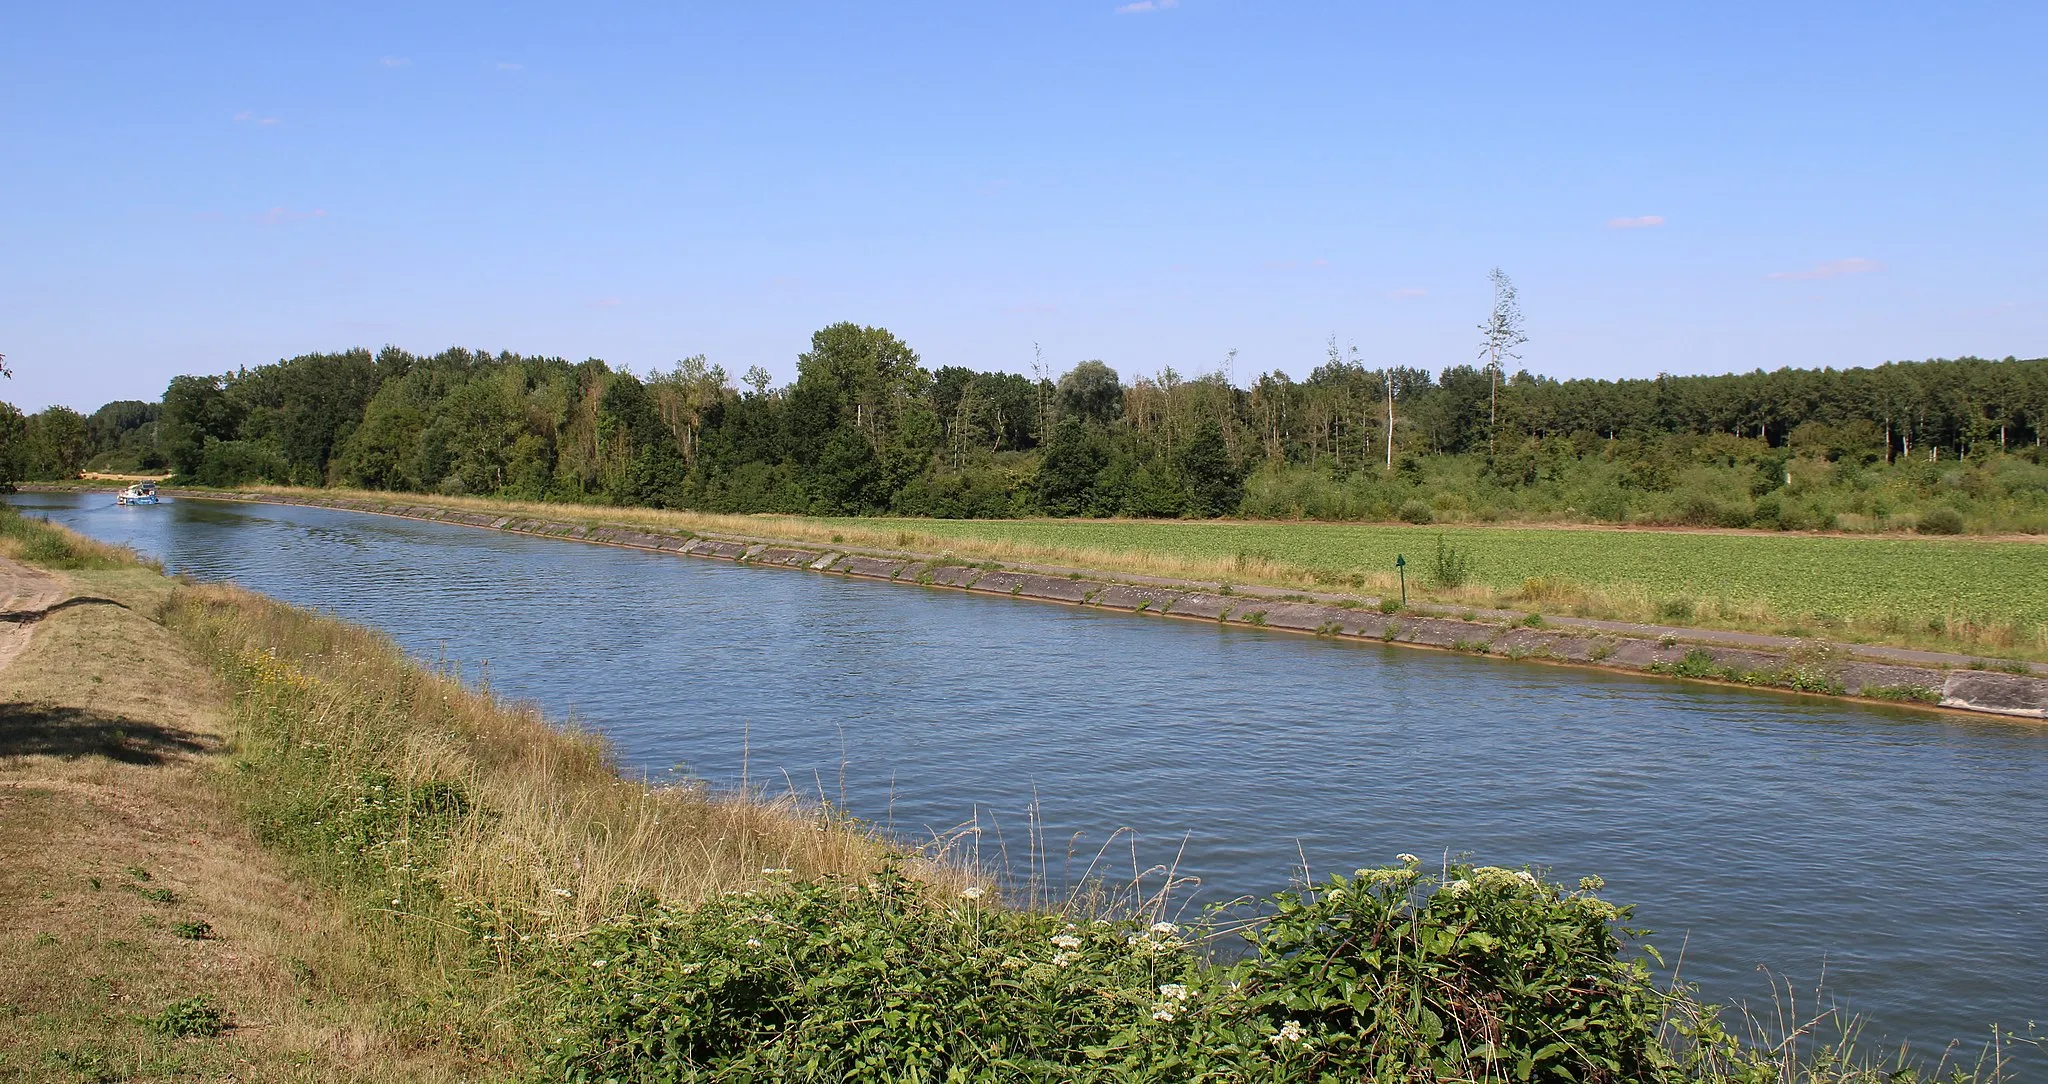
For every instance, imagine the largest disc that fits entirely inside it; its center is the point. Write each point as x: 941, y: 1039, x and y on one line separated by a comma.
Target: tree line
x: 868, y: 428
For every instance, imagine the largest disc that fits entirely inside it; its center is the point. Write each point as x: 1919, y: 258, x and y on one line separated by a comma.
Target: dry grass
x: 560, y: 819
x: 216, y: 741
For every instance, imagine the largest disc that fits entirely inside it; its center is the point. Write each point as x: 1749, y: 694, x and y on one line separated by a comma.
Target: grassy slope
x: 110, y: 839
x: 182, y: 755
x: 1986, y: 596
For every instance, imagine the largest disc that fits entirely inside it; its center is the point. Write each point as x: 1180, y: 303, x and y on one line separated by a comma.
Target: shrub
x: 1941, y: 521
x: 1391, y: 974
x: 1452, y: 566
x: 193, y: 1016
x: 1675, y: 609
x: 1417, y: 512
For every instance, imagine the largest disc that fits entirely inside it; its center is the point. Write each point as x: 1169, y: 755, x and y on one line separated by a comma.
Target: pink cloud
x: 246, y: 117
x: 1143, y: 6
x: 605, y: 303
x: 1854, y: 265
x: 1639, y: 222
x: 279, y: 215
x: 396, y: 61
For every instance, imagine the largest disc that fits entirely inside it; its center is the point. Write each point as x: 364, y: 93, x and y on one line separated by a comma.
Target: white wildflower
x: 1290, y: 1032
x: 599, y: 963
x: 1066, y: 941
x: 1164, y: 929
x: 753, y: 942
x: 1404, y: 856
x: 971, y: 892
x: 1173, y: 991
x: 772, y: 870
x: 1062, y: 959
x: 564, y: 893
x: 691, y: 969
x: 1163, y: 1013
x: 1526, y: 877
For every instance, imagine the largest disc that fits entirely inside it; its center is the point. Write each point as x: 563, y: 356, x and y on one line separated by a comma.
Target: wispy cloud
x: 1639, y: 222
x: 508, y: 66
x: 605, y: 303
x: 1854, y: 265
x: 1141, y: 7
x: 278, y: 216
x: 396, y: 61
x: 246, y: 117
x: 1408, y: 293
x: 1290, y: 265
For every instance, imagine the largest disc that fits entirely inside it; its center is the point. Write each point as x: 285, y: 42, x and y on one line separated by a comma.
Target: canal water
x: 1902, y: 856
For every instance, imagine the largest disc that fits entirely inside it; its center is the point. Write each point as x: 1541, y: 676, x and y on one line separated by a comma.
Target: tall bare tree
x: 1500, y: 335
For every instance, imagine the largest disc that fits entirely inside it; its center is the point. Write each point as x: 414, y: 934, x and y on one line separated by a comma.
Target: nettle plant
x: 1473, y: 973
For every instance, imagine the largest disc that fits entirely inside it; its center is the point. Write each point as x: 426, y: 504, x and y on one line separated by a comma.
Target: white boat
x: 139, y: 493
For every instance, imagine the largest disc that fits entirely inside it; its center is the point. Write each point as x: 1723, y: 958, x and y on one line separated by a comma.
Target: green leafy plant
x: 188, y: 1018
x: 1452, y: 566
x: 1473, y: 973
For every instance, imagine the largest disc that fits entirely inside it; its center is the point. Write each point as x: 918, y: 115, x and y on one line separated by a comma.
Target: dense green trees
x: 867, y: 428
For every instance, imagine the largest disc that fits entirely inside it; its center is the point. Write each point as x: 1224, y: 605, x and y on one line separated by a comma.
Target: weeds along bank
x: 530, y: 911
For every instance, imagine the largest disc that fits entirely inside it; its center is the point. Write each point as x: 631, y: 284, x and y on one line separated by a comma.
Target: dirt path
x: 130, y: 884
x: 26, y: 595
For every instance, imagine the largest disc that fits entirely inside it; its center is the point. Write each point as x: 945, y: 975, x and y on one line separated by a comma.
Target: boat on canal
x: 139, y: 493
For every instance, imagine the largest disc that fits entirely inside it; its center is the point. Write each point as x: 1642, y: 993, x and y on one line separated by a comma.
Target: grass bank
x: 294, y: 854
x: 1971, y: 596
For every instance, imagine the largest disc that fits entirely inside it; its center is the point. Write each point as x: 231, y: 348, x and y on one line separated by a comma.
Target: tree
x: 197, y: 409
x: 1066, y: 476
x: 1215, y: 485
x: 60, y: 442
x: 1501, y: 334
x: 1092, y: 392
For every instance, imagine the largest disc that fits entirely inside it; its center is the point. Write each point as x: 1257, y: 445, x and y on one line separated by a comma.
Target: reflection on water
x: 1905, y: 853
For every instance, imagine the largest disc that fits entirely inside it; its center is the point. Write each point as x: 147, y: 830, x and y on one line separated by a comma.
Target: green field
x: 1796, y: 576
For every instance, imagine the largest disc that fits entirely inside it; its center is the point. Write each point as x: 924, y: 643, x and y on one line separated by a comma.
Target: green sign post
x: 1401, y: 566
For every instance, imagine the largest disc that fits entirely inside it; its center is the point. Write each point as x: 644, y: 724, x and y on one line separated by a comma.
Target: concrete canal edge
x: 1820, y: 668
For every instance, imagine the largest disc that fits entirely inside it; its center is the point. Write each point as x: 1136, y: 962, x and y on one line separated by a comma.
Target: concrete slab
x: 881, y: 568
x: 951, y: 575
x: 1117, y: 596
x: 2002, y: 694
x: 1055, y: 588
x: 1197, y: 604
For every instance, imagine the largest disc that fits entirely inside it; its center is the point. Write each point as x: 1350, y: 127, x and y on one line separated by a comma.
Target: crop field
x: 1793, y: 576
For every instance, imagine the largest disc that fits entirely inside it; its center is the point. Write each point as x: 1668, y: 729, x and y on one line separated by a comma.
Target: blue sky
x: 1681, y: 188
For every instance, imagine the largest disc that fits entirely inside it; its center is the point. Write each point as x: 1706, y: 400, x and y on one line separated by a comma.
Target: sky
x: 1681, y: 188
